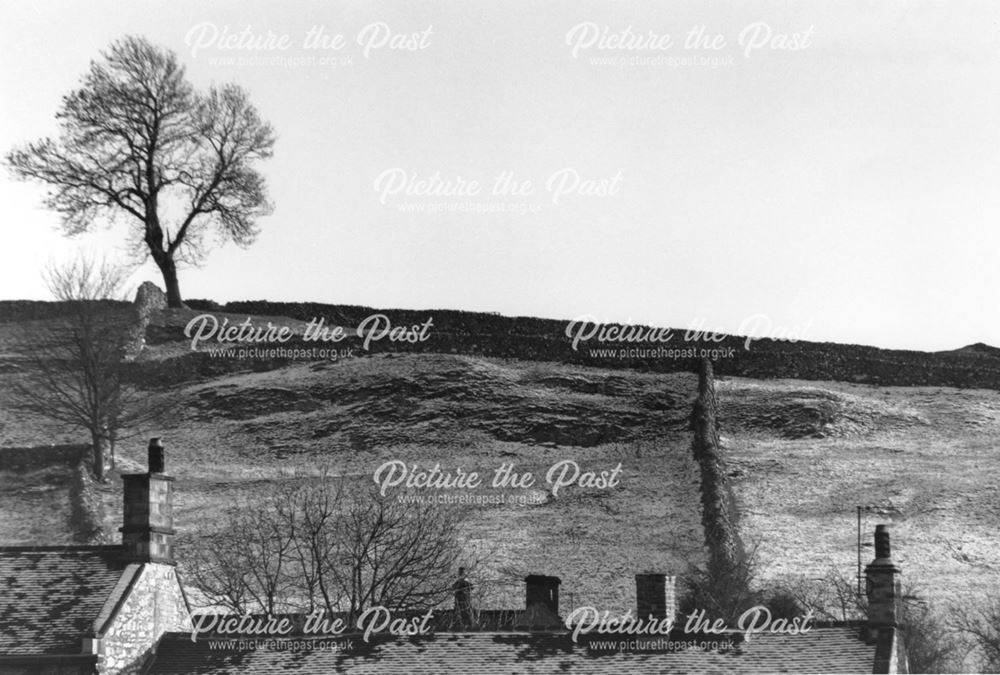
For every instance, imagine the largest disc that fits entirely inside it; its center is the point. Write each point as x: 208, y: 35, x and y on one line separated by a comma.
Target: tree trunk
x: 169, y: 270
x: 97, y: 447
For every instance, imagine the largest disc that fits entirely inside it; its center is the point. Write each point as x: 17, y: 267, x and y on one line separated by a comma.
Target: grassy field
x: 805, y: 455
x: 235, y: 435
x: 34, y: 502
x: 802, y: 456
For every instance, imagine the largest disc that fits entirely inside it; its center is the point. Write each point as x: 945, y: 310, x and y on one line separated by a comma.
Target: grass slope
x: 804, y: 455
x: 247, y: 427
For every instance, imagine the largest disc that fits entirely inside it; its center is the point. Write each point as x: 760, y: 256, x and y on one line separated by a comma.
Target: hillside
x: 239, y: 431
x: 42, y: 496
x: 976, y: 366
x: 804, y: 455
x: 534, y: 339
x: 243, y: 429
x: 802, y: 452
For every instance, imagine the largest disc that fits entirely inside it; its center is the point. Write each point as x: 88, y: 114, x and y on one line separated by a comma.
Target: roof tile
x: 50, y: 596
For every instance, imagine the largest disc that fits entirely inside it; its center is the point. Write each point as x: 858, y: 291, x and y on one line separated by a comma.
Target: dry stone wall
x: 148, y: 299
x: 718, y: 504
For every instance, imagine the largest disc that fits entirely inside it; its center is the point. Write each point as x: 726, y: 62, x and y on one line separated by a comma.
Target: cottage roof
x: 51, y: 597
x: 833, y: 649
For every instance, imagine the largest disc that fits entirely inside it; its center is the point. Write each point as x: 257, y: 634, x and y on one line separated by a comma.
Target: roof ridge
x: 116, y: 597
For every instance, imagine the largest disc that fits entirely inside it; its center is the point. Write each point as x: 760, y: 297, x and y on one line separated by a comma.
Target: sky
x: 820, y: 170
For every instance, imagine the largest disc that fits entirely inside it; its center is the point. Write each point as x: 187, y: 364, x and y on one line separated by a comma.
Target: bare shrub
x: 722, y: 591
x: 931, y: 647
x: 331, y: 546
x: 979, y: 625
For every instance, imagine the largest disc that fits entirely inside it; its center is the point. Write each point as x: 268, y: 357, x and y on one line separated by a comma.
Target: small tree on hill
x: 137, y: 140
x: 75, y: 363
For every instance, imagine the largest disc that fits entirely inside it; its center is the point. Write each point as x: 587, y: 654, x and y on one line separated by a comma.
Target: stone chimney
x: 882, y: 585
x: 148, y: 523
x: 654, y: 596
x: 542, y: 592
x: 885, y: 597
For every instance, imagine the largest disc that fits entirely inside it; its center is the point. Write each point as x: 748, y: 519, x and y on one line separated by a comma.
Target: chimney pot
x: 882, y: 548
x: 156, y: 458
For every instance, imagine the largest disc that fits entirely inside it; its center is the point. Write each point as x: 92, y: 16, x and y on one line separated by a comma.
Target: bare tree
x: 248, y: 566
x: 84, y: 278
x: 76, y: 375
x: 930, y: 644
x: 397, y: 555
x: 980, y: 625
x: 834, y: 597
x: 329, y: 546
x: 136, y: 141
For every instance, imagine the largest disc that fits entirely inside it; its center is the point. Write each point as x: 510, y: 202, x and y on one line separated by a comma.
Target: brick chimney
x: 148, y: 522
x: 654, y: 596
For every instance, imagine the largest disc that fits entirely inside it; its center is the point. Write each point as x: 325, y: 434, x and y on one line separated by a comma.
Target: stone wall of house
x: 154, y: 606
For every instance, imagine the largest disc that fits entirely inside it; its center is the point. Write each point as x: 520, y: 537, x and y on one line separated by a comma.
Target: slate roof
x: 51, y: 596
x: 823, y: 650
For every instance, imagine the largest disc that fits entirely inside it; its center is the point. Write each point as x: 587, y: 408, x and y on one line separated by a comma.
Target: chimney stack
x: 148, y: 522
x: 883, y: 586
x: 463, y: 598
x: 654, y: 596
x: 542, y: 591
